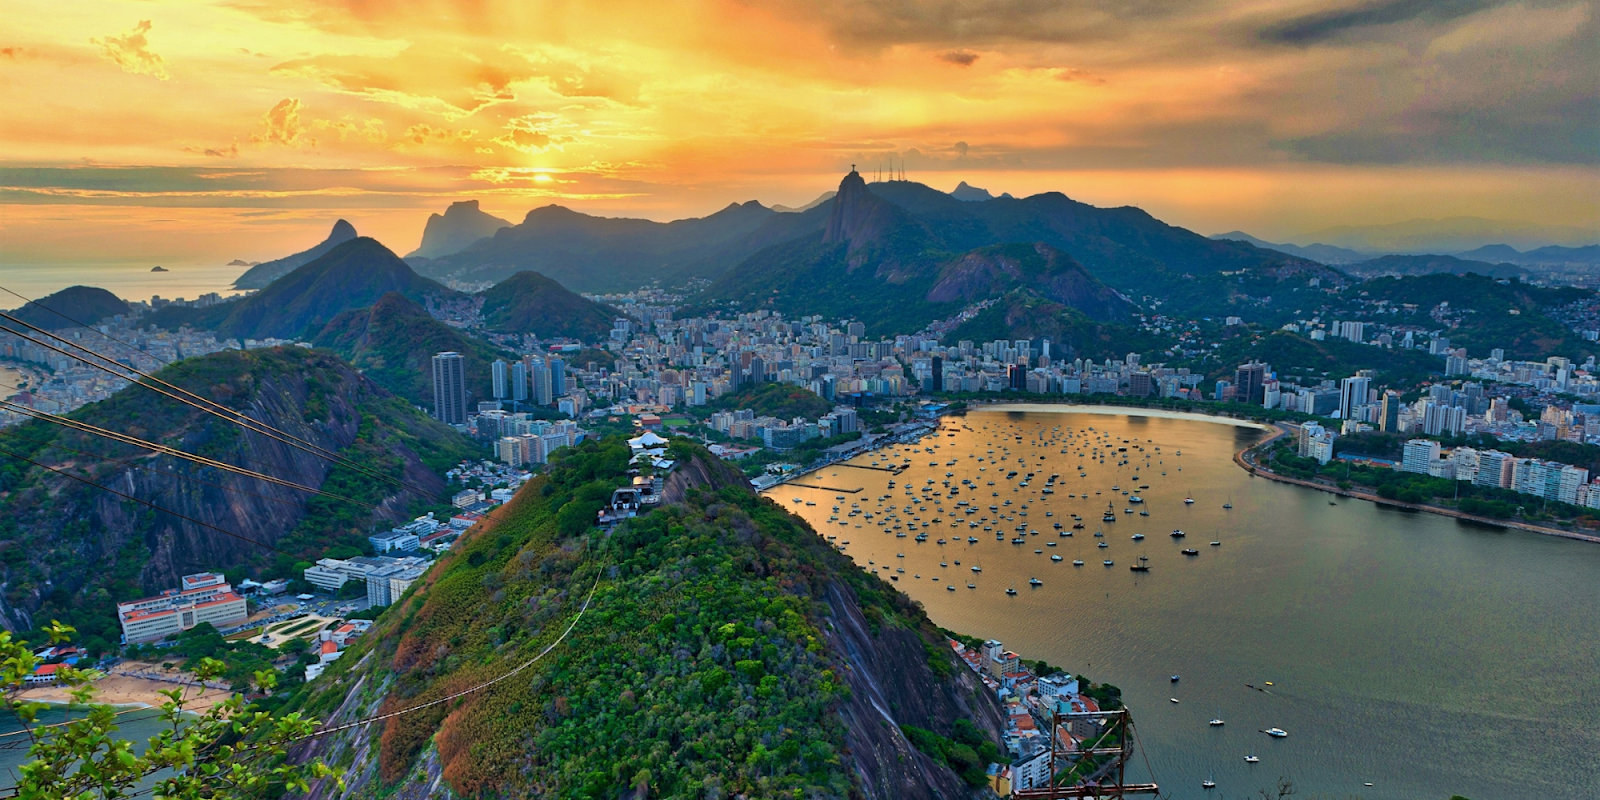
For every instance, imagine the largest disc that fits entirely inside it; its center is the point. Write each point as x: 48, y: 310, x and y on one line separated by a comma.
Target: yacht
x: 1190, y: 551
x: 1108, y: 562
x: 1216, y: 722
x: 1208, y: 784
x: 1077, y: 562
x: 1011, y: 590
x: 1251, y: 759
x: 950, y: 586
x: 1055, y: 558
x: 1138, y: 537
x: 1103, y: 544
x: 1216, y: 544
x: 1035, y: 582
x: 1276, y: 733
x: 1141, y: 566
x: 1178, y: 533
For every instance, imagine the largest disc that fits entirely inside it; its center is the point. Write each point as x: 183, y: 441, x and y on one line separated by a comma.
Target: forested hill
x: 727, y: 651
x: 69, y: 551
x: 899, y: 254
x: 393, y: 342
x: 351, y: 275
x: 529, y: 302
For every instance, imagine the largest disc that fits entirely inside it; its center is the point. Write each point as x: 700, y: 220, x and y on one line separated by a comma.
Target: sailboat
x: 1141, y: 566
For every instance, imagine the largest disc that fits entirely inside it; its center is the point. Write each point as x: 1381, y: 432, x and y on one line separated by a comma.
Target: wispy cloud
x: 132, y: 52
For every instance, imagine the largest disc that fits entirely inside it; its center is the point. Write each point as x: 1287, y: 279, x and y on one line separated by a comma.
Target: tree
x: 230, y: 751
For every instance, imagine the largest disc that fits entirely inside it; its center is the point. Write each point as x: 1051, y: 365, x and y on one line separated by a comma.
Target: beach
x: 124, y: 688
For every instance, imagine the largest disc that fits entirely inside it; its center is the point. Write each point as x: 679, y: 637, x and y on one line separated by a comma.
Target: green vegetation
x: 781, y: 400
x: 66, y: 308
x: 1411, y: 487
x: 352, y: 275
x: 966, y: 750
x: 805, y: 454
x: 70, y: 553
x: 394, y: 341
x: 1023, y: 314
x: 700, y: 665
x: 230, y: 751
x: 1484, y: 313
x: 1391, y: 446
x: 528, y: 302
x: 1331, y: 359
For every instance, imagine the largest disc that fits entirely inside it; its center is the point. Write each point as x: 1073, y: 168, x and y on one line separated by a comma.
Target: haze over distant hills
x: 1321, y: 253
x: 1448, y: 235
x: 456, y: 229
x: 266, y: 272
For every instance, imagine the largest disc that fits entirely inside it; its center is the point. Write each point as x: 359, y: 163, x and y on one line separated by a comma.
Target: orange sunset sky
x: 182, y: 131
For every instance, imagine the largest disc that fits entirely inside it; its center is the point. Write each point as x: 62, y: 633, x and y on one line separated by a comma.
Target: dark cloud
x: 964, y: 58
x: 1324, y: 25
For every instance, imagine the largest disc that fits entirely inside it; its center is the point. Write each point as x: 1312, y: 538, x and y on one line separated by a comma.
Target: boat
x: 1108, y: 562
x: 950, y: 586
x: 1276, y: 733
x: 1216, y: 722
x: 1190, y: 551
x: 1188, y: 501
x: 1175, y: 679
x: 1035, y: 582
x: 1141, y: 566
x: 1138, y: 537
x: 1208, y: 784
x: 971, y: 586
x: 1178, y: 534
x: 1011, y: 590
x: 1174, y: 700
x: 1103, y: 544
x: 1055, y: 558
x: 1227, y: 505
x: 798, y: 500
x: 1251, y: 759
x: 1216, y: 544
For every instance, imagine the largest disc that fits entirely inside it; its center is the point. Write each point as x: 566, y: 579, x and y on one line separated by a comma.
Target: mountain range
x: 258, y: 276
x: 898, y: 255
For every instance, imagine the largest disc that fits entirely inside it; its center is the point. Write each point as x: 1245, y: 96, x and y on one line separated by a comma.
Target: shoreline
x: 1245, y: 459
x: 128, y: 692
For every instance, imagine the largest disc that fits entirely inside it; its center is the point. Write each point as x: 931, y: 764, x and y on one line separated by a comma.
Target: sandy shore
x: 126, y: 690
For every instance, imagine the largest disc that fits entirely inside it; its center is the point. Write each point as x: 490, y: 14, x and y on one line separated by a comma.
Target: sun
x: 542, y: 177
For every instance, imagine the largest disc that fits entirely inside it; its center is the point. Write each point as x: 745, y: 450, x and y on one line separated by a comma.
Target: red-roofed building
x: 329, y: 651
x: 46, y: 673
x: 203, y: 597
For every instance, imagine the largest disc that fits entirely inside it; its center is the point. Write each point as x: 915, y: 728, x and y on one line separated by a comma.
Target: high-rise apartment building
x: 500, y: 378
x: 450, y: 388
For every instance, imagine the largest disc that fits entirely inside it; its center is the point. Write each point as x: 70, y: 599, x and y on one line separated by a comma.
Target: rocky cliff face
x: 859, y: 219
x: 71, y: 549
x: 456, y: 229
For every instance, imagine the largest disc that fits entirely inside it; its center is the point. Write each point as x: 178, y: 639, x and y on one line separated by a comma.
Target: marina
x: 1373, y: 636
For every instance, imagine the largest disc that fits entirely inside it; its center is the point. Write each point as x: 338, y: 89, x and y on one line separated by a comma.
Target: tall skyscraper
x: 1352, y: 395
x: 936, y: 383
x: 758, y: 370
x: 501, y: 379
x: 1249, y: 383
x: 558, y: 376
x: 450, y: 388
x: 519, y: 382
x: 1389, y: 419
x: 1018, y: 377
